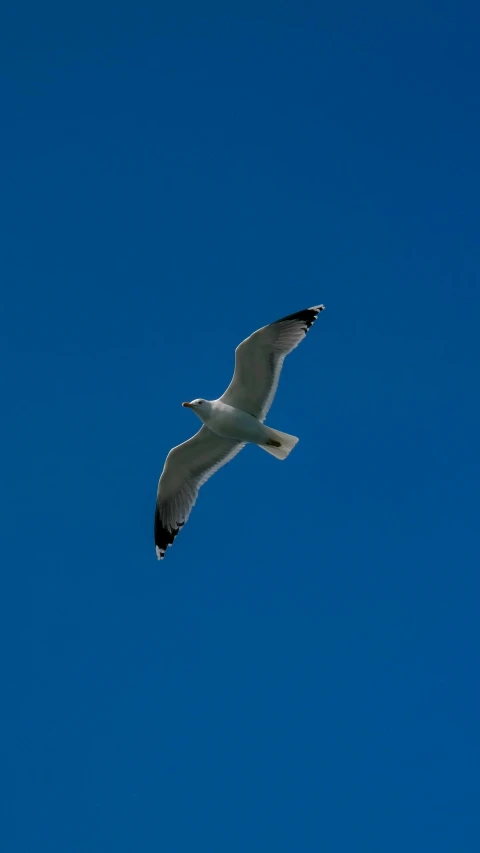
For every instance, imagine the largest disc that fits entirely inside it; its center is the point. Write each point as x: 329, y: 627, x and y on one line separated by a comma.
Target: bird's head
x: 200, y: 407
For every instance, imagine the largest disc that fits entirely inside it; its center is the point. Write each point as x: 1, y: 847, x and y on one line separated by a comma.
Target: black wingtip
x: 307, y: 316
x: 163, y: 535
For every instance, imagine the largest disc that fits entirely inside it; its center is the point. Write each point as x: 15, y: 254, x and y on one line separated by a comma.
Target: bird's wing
x: 187, y: 467
x: 259, y: 359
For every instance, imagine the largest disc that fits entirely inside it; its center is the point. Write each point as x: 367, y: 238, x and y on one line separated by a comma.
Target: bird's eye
x: 200, y: 402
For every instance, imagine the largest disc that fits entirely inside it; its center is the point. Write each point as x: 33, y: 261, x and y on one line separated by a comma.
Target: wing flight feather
x: 259, y: 360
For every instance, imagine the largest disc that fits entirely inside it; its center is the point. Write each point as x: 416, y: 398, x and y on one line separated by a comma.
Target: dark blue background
x: 301, y: 672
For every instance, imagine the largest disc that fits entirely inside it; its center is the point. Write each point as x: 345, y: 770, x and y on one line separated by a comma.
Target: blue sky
x: 301, y: 672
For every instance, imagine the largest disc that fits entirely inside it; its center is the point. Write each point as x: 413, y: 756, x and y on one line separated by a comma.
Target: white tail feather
x: 287, y: 443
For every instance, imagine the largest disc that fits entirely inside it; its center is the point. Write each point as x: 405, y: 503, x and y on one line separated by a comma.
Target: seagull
x: 229, y: 423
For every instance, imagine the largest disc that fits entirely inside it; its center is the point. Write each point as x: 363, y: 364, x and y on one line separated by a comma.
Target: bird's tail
x: 279, y: 444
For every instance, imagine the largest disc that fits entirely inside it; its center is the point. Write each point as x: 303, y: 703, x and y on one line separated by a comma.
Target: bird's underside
x: 225, y: 430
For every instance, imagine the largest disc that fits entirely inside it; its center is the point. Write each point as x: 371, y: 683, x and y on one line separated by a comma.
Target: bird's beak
x: 187, y: 405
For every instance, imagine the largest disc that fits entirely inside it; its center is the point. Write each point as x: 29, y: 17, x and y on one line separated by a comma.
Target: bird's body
x: 229, y: 423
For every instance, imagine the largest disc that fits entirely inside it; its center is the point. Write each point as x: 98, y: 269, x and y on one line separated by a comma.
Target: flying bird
x: 229, y: 423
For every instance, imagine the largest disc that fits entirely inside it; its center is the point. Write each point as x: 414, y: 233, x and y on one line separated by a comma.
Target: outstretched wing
x: 187, y: 467
x: 259, y: 360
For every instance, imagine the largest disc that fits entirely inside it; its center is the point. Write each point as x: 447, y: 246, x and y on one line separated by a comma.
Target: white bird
x: 229, y: 423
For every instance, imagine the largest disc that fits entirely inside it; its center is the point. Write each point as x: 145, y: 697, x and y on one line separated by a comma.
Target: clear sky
x: 301, y: 672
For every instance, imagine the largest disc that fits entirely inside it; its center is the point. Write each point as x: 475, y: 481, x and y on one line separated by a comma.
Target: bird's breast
x: 233, y: 423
